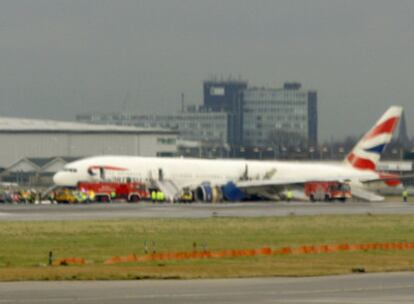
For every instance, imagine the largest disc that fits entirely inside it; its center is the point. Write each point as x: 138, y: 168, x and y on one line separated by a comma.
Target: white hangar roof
x: 23, y: 125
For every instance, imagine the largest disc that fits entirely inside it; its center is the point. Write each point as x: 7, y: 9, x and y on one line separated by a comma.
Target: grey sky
x: 60, y: 58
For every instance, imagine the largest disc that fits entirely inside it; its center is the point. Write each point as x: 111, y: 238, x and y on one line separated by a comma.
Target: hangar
x: 33, y: 147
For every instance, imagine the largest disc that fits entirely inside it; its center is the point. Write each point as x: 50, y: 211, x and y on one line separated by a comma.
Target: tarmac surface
x: 9, y: 212
x: 362, y: 288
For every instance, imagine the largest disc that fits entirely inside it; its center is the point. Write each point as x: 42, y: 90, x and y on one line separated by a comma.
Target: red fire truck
x: 108, y: 191
x: 327, y: 191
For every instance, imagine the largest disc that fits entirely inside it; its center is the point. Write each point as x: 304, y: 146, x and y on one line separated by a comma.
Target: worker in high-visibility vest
x: 160, y: 196
x: 153, y: 196
x: 289, y: 195
x: 405, y: 195
x: 92, y: 196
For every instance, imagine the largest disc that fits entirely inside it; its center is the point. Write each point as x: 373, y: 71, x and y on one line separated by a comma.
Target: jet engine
x: 208, y: 193
x: 204, y: 193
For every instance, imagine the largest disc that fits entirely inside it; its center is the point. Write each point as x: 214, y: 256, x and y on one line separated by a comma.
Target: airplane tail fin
x: 367, y: 152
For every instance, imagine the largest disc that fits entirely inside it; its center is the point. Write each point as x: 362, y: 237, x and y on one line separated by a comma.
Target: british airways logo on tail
x: 377, y: 149
x: 367, y: 152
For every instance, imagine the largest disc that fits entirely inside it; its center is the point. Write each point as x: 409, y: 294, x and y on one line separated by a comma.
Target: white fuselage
x: 191, y: 172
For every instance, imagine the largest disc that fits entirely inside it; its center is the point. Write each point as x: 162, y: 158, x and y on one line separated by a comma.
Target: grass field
x: 24, y: 246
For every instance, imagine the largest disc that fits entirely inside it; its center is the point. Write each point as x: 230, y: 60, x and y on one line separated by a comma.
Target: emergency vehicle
x: 108, y: 191
x: 327, y: 191
x: 65, y: 196
x: 186, y: 196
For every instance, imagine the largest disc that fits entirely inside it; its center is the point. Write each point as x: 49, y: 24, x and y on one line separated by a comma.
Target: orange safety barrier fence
x: 69, y: 261
x: 257, y: 252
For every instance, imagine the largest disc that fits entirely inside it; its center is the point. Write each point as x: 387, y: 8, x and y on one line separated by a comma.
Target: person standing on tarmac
x: 405, y: 195
x: 92, y: 196
x: 153, y: 196
x: 289, y: 195
x: 160, y: 196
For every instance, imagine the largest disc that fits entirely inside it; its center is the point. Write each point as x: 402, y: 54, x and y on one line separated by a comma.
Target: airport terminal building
x: 286, y: 116
x: 193, y: 125
x: 235, y: 118
x: 36, y: 147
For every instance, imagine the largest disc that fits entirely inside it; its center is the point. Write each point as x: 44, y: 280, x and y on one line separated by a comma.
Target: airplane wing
x: 279, y: 185
x: 250, y: 184
x: 286, y: 182
x: 387, y: 178
x: 366, y: 195
x: 271, y: 189
x: 275, y: 187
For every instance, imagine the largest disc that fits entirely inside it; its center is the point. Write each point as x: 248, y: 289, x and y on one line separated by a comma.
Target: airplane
x: 234, y: 179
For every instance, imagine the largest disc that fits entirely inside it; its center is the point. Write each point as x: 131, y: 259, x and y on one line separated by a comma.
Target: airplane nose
x: 59, y: 179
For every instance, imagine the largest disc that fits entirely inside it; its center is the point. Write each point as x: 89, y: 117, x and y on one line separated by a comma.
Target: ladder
x: 168, y: 187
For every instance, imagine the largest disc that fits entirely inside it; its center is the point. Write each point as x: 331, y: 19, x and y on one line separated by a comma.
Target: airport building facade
x: 286, y: 116
x: 193, y: 125
x: 236, y: 118
x: 263, y: 117
x: 27, y: 139
x: 226, y: 96
x: 222, y: 96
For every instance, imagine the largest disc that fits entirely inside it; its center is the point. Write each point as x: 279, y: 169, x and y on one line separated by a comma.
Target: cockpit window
x: 70, y: 170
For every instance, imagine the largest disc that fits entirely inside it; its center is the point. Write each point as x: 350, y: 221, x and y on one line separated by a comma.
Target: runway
x: 361, y: 288
x: 357, y: 288
x: 195, y: 210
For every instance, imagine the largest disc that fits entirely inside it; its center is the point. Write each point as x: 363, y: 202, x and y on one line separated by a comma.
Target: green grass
x: 24, y: 246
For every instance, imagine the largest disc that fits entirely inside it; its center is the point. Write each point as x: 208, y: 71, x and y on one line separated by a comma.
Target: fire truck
x: 327, y: 191
x: 108, y: 191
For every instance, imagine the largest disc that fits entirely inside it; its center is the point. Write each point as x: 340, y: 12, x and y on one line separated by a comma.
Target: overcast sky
x: 61, y: 58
